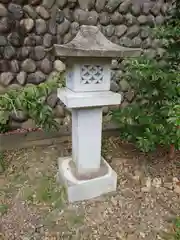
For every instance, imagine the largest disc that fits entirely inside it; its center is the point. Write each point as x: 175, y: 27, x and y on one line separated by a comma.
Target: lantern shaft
x: 86, y: 139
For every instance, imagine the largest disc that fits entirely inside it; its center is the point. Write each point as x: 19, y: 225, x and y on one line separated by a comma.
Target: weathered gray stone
x: 114, y: 86
x: 38, y: 39
x: 28, y: 66
x: 105, y: 110
x: 114, y: 64
x: 61, y: 3
x: 109, y: 30
x: 112, y: 5
x: 1, y: 52
x: 129, y: 95
x: 120, y: 30
x: 160, y: 52
x: 27, y: 24
x: 136, y: 42
x: 74, y: 28
x: 4, y: 66
x: 150, y: 53
x: 59, y: 111
x: 6, y: 78
x: 162, y: 63
x: 133, y: 31
x: 147, y: 43
x: 40, y: 26
x: 86, y: 4
x: 117, y: 18
x: 52, y: 27
x: 15, y: 39
x: 93, y: 18
x: 3, y: 40
x: 59, y: 16
x: 63, y: 28
x: 59, y: 66
x: 29, y: 10
x: 3, y: 10
x: 36, y: 77
x: 100, y: 4
x: 136, y: 8
x: 19, y: 116
x: 5, y: 25
x: 68, y: 13
x: 9, y: 52
x: 48, y: 4
x: 159, y: 20
x: 142, y: 19
x: 42, y: 12
x: 23, y: 53
x: 59, y: 39
x: 16, y: 10
x: 34, y: 2
x: 145, y: 32
x: 14, y: 86
x: 114, y: 39
x: 29, y: 124
x: 156, y: 43
x: 164, y: 42
x: 147, y: 7
x: 3, y: 89
x: 151, y: 20
x: 72, y: 3
x: 46, y: 66
x: 104, y: 18
x: 118, y: 74
x: 164, y: 8
x: 130, y: 19
x: 125, y: 41
x: 68, y: 37
x: 52, y: 100
x: 21, y: 78
x: 124, y: 85
x: 38, y: 53
x: 81, y: 16
x: 47, y: 40
x: 156, y: 8
x: 124, y: 6
x: 30, y: 40
x: 14, y: 66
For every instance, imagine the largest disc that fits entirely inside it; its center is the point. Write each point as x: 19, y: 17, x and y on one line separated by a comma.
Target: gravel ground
x: 33, y: 205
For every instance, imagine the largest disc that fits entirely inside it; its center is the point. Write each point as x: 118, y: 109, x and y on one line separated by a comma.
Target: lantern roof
x: 90, y: 42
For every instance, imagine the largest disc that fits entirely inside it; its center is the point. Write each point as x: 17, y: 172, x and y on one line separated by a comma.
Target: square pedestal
x: 79, y: 189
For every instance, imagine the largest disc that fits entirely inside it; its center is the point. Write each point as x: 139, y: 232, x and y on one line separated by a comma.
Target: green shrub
x: 32, y: 101
x: 154, y: 118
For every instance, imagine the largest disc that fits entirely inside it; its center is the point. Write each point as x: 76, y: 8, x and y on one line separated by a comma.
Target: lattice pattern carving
x: 91, y: 74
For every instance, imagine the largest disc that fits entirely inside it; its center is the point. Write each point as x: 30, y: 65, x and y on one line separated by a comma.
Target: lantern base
x: 79, y: 190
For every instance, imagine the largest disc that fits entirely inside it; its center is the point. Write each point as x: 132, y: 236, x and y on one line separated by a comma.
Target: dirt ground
x: 34, y: 206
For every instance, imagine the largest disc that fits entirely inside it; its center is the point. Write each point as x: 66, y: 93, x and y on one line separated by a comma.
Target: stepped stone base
x: 78, y: 189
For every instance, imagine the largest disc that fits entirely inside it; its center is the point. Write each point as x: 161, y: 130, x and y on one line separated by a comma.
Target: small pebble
x: 145, y: 189
x: 157, y: 182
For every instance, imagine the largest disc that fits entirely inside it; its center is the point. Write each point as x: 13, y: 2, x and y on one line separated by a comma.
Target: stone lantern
x: 88, y: 57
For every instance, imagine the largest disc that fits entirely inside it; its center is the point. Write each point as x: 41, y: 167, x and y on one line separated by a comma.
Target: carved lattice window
x: 91, y: 74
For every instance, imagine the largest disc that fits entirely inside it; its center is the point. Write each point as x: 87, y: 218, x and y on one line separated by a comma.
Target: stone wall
x: 29, y: 28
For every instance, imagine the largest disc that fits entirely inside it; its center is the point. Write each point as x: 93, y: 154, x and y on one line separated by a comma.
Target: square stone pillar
x: 86, y: 137
x: 86, y: 174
